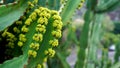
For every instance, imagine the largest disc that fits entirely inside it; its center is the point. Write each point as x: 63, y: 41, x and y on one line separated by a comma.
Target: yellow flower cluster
x: 18, y: 22
x: 57, y: 24
x: 50, y: 52
x: 38, y: 37
x: 20, y: 43
x: 28, y: 21
x: 15, y: 29
x: 54, y: 42
x: 39, y: 66
x: 53, y: 12
x: 43, y: 20
x: 22, y: 38
x: 57, y: 34
x: 32, y: 53
x: 34, y: 46
x: 33, y: 16
x: 41, y: 28
x: 10, y: 38
x: 24, y: 29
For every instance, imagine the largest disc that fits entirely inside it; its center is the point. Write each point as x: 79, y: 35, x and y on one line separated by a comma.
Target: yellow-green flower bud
x: 18, y: 22
x: 38, y: 37
x: 54, y: 42
x: 20, y: 43
x: 53, y: 12
x: 22, y: 38
x: 15, y: 29
x: 41, y: 28
x: 28, y: 21
x: 39, y: 66
x: 57, y: 33
x: 24, y: 29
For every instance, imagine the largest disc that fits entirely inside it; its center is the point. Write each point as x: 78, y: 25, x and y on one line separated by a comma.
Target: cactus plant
x: 30, y: 31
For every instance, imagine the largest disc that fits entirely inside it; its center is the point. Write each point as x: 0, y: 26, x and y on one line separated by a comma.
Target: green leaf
x: 18, y: 62
x: 11, y: 12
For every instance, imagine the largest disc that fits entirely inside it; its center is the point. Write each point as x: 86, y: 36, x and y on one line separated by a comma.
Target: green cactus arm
x: 11, y: 13
x: 45, y: 45
x: 94, y: 41
x: 107, y: 6
x: 82, y: 53
x: 67, y: 12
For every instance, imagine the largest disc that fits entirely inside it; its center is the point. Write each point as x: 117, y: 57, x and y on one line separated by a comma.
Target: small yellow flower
x: 42, y: 14
x: 34, y: 54
x: 51, y: 52
x: 39, y: 66
x: 34, y: 46
x: 10, y: 35
x: 20, y: 43
x: 22, y: 38
x: 24, y: 29
x: 18, y: 22
x: 33, y: 16
x: 41, y: 28
x: 37, y: 46
x: 38, y: 37
x: 57, y: 24
x: 56, y: 17
x: 15, y: 29
x: 42, y: 20
x: 37, y: 11
x: 41, y: 8
x: 53, y: 12
x: 31, y: 45
x: 54, y: 42
x: 45, y: 59
x: 30, y: 52
x: 46, y: 52
x: 4, y: 33
x: 57, y: 33
x: 28, y: 21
